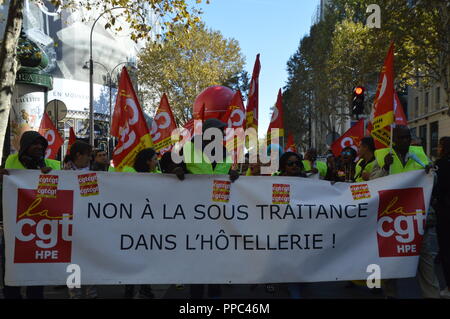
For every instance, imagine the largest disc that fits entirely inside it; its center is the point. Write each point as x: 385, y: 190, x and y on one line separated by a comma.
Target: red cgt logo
x: 401, y: 222
x: 44, y: 227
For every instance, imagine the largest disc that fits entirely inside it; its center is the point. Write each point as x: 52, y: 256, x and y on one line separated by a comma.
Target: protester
x: 100, y: 161
x: 404, y: 158
x: 78, y: 159
x: 365, y: 165
x: 442, y: 207
x: 30, y: 156
x: 168, y: 166
x: 312, y: 165
x: 344, y: 169
x: 146, y: 161
x: 291, y: 165
x: 206, y: 165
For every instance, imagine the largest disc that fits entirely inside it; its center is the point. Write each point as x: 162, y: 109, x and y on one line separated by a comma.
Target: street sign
x: 56, y: 109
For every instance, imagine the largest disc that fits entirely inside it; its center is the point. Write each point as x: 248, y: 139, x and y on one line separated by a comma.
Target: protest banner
x: 133, y: 228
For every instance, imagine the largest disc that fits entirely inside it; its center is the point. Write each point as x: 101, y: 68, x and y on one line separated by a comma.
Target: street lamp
x: 91, y: 74
x: 110, y: 75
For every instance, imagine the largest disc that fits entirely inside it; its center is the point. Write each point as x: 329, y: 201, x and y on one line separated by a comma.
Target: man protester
x: 31, y: 155
x: 404, y: 157
x: 100, y: 161
x: 198, y: 161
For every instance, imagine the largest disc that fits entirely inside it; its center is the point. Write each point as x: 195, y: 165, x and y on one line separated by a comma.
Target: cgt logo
x: 44, y: 227
x: 401, y: 222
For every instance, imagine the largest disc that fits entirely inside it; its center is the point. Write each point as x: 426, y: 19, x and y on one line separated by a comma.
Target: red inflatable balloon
x: 216, y: 99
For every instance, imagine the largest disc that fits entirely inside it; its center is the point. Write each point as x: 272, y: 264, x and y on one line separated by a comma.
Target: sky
x: 272, y: 28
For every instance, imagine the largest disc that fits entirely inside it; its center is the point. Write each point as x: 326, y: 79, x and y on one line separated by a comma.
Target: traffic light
x: 358, y: 100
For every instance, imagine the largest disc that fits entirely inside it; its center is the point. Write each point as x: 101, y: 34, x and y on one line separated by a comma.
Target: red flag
x: 252, y: 103
x: 400, y: 117
x: 128, y: 124
x: 383, y: 107
x: 350, y: 138
x: 277, y: 117
x: 383, y: 137
x: 290, y: 144
x: 51, y: 134
x: 162, y: 126
x: 72, y: 139
x: 235, y: 118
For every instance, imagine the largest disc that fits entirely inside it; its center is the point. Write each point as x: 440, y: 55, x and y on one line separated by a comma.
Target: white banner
x: 124, y: 228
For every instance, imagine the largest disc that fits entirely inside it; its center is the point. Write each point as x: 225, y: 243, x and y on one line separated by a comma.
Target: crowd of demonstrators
x: 371, y: 164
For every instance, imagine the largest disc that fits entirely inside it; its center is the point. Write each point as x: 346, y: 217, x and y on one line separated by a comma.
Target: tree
x: 185, y: 65
x: 171, y: 12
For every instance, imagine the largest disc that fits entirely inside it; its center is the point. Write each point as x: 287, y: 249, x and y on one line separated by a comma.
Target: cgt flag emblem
x: 401, y: 222
x: 44, y: 227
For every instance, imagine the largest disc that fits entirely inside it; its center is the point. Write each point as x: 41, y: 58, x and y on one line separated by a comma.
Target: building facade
x: 427, y: 115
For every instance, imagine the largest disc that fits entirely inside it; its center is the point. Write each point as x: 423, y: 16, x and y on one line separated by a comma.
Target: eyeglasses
x: 346, y: 153
x: 293, y: 163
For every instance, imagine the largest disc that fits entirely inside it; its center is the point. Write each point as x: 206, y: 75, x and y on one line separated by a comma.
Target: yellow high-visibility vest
x: 13, y: 162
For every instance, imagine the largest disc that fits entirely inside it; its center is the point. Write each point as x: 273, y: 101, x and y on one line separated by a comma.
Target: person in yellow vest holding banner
x: 364, y: 166
x: 201, y: 158
x: 30, y: 156
x: 404, y: 158
x: 312, y: 165
x: 146, y: 161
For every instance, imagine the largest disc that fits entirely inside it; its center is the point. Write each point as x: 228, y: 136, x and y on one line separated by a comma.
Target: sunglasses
x: 290, y: 163
x: 346, y: 153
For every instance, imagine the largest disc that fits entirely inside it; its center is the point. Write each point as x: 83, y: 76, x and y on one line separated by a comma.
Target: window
x: 426, y: 102
x: 434, y: 138
x: 423, y: 136
x: 438, y: 96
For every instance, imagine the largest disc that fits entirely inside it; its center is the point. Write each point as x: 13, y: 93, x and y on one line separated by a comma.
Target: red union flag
x: 162, y: 126
x: 290, y: 144
x: 401, y: 222
x: 252, y: 103
x: 235, y: 118
x: 383, y: 137
x: 383, y: 109
x: 350, y: 138
x: 128, y: 125
x: 277, y: 116
x: 51, y: 134
x: 44, y: 227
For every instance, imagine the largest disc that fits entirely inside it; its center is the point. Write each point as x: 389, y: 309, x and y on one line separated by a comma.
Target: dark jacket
x: 442, y: 188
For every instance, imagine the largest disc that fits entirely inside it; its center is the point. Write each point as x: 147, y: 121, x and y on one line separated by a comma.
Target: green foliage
x: 186, y: 64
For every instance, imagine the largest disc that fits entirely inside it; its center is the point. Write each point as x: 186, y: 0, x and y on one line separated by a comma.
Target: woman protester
x: 291, y: 164
x: 146, y: 161
x: 78, y: 159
